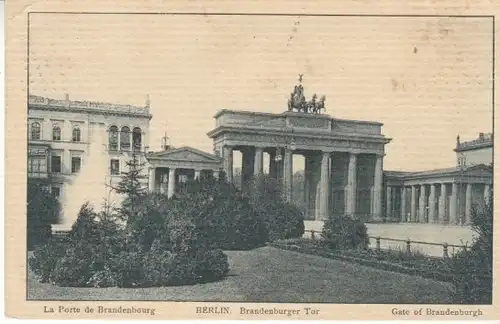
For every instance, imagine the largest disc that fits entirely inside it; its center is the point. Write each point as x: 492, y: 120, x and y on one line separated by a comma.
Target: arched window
x: 137, y: 138
x: 125, y: 138
x: 36, y: 131
x: 76, y: 136
x: 113, y: 138
x: 56, y: 133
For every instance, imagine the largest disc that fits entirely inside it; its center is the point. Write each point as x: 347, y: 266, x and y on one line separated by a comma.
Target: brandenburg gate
x: 343, y: 158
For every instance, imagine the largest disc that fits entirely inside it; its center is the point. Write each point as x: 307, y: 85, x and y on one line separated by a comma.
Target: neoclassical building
x: 343, y: 158
x: 60, y: 134
x: 444, y: 196
x: 171, y: 166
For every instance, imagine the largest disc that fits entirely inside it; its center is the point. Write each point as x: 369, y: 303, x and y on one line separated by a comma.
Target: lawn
x: 272, y: 275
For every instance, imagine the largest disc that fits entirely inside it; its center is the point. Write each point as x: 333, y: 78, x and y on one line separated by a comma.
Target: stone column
x: 468, y: 203
x: 487, y: 193
x: 442, y: 204
x: 324, y: 187
x: 152, y: 179
x: 313, y: 166
x: 388, y: 207
x: 228, y: 163
x: 403, y: 205
x: 432, y: 204
x: 351, y: 185
x: 377, y: 189
x: 288, y: 174
x: 273, y: 166
x: 258, y: 167
x: 247, y: 166
x: 197, y: 174
x: 422, y: 204
x: 307, y: 182
x: 454, y: 217
x: 171, y: 182
x: 413, y: 208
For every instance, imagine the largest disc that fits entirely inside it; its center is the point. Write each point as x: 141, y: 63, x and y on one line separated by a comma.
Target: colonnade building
x: 444, y: 196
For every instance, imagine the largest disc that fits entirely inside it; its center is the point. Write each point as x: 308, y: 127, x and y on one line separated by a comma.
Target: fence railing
x: 316, y: 235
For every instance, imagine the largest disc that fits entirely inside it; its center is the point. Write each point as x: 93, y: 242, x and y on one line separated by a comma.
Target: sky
x: 426, y: 79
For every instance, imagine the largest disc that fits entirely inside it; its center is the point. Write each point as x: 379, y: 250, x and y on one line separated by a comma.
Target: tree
x: 473, y: 267
x: 132, y: 187
x: 42, y: 211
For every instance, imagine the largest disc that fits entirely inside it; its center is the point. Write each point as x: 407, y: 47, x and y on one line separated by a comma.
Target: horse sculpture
x: 297, y: 101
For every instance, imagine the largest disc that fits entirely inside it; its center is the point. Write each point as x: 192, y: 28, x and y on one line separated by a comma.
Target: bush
x: 220, y: 212
x: 345, y: 233
x: 45, y: 258
x: 473, y: 267
x: 42, y: 211
x: 282, y: 220
x: 99, y: 253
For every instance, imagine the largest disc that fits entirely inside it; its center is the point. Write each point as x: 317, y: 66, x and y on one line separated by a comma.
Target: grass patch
x: 415, y: 263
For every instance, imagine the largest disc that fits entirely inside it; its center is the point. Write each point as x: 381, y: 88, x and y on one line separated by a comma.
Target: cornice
x: 298, y: 133
x: 34, y: 106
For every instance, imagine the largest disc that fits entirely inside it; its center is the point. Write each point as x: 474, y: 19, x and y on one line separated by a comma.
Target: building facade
x: 444, y: 196
x: 172, y: 166
x: 61, y: 134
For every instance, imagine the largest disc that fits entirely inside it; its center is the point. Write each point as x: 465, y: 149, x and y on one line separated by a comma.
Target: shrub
x: 221, y: 213
x: 99, y: 253
x: 236, y: 224
x: 282, y: 220
x: 473, y: 267
x: 45, y: 258
x: 150, y: 221
x: 345, y: 232
x: 42, y: 211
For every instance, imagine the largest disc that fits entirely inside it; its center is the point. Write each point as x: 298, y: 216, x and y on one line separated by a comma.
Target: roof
x: 50, y: 103
x: 434, y: 172
x: 485, y: 140
x: 185, y: 153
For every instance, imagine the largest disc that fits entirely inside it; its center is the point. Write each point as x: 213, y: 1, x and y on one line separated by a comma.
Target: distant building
x: 60, y: 134
x: 444, y: 196
x: 172, y: 166
x: 477, y: 151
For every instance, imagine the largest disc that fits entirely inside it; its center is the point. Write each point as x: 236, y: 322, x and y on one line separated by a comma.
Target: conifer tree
x: 131, y: 185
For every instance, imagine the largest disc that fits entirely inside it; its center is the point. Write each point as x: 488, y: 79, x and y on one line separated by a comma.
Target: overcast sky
x: 426, y: 79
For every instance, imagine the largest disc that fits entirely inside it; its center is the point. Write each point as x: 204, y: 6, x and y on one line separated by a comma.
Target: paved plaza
x: 432, y: 233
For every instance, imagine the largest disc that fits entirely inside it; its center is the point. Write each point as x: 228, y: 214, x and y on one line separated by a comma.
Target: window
x: 55, y: 164
x: 183, y: 178
x: 56, y: 191
x: 113, y: 138
x: 76, y: 134
x: 115, y: 167
x: 125, y: 138
x: 37, y: 164
x: 137, y: 138
x: 56, y: 133
x: 36, y: 131
x: 76, y: 163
